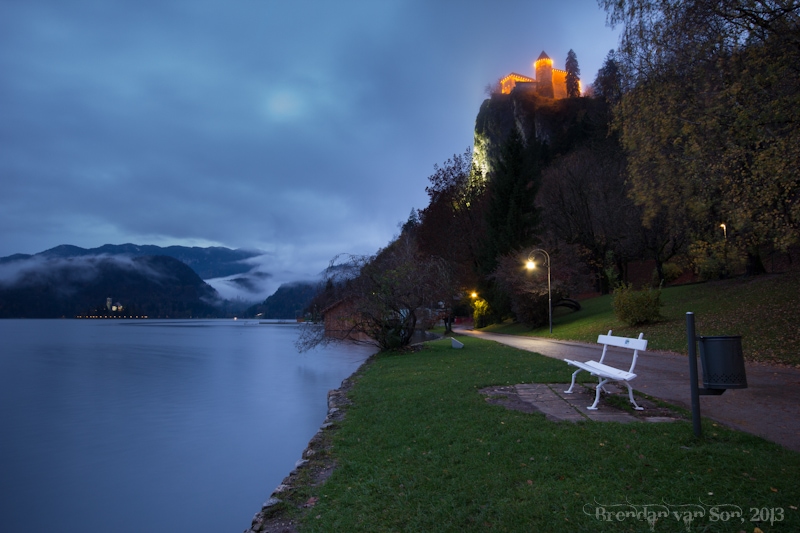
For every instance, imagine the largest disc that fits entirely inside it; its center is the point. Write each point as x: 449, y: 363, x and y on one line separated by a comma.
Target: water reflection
x: 154, y: 425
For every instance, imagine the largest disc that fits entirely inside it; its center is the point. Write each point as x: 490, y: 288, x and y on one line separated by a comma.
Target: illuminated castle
x: 550, y: 82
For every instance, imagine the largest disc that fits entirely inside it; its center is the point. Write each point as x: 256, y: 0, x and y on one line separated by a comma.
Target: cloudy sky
x: 304, y: 128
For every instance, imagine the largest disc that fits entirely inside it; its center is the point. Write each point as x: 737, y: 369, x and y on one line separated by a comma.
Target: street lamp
x: 530, y: 265
x: 724, y: 230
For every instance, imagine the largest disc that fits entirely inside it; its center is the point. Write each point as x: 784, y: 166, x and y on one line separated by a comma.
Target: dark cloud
x: 301, y: 128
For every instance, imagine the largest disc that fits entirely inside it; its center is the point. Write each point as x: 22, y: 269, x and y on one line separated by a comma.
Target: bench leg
x: 569, y: 391
x: 599, y: 389
x: 630, y: 395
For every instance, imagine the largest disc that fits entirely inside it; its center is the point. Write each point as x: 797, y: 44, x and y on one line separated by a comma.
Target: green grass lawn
x: 764, y: 310
x: 421, y: 450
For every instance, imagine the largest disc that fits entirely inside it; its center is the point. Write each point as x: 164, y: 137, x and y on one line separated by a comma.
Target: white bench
x: 606, y: 373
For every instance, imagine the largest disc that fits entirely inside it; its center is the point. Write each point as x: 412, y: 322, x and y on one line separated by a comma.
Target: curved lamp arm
x: 530, y: 264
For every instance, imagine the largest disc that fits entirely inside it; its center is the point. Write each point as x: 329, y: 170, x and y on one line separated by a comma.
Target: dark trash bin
x: 723, y: 362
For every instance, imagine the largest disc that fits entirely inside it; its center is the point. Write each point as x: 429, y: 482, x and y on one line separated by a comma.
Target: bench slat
x: 599, y: 369
x: 610, y: 371
x: 623, y: 342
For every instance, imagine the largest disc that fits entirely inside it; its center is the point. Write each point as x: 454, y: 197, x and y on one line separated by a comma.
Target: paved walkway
x: 769, y: 407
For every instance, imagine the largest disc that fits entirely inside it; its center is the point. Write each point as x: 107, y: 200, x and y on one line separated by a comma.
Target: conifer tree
x: 573, y: 75
x: 608, y: 84
x: 511, y: 216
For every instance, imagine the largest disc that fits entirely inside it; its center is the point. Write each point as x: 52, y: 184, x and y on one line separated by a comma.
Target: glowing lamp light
x: 474, y: 294
x: 530, y: 265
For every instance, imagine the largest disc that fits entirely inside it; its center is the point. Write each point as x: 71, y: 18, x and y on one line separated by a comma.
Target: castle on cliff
x: 549, y: 82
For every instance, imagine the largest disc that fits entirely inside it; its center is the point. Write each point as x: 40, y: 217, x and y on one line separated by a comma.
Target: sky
x: 302, y: 128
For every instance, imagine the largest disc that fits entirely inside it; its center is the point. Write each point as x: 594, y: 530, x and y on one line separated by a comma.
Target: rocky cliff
x: 560, y: 125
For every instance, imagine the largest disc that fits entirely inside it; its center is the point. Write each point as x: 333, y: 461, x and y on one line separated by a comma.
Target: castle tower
x: 543, y: 67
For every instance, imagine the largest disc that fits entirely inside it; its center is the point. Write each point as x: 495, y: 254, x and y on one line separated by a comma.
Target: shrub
x: 636, y: 307
x: 480, y: 313
x: 717, y: 260
x: 530, y: 308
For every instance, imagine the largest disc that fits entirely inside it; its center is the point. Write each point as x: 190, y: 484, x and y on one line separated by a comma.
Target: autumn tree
x: 711, y: 122
x: 388, y: 295
x: 573, y: 75
x: 451, y: 223
x: 451, y: 226
x: 584, y: 202
x: 528, y: 290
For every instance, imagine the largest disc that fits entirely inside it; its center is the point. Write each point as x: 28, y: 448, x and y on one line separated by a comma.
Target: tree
x: 607, y: 84
x: 711, y: 121
x: 528, y: 291
x: 388, y: 295
x: 412, y: 223
x: 573, y: 75
x: 451, y: 226
x: 511, y: 216
x: 584, y: 201
x: 493, y: 88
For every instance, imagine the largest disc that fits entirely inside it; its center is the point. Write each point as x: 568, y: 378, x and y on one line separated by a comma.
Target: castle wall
x: 544, y: 78
x: 508, y: 83
x: 549, y: 83
x: 559, y: 83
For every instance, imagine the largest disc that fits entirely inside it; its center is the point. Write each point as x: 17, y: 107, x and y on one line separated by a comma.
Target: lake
x: 154, y: 425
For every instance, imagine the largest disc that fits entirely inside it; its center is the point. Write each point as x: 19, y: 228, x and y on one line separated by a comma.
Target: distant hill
x: 53, y: 285
x: 289, y: 301
x: 208, y: 263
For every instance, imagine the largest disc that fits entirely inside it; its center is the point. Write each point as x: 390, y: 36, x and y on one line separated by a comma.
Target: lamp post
x: 530, y: 265
x: 724, y: 273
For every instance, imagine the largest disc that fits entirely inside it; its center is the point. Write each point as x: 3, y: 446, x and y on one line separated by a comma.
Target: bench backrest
x: 623, y: 342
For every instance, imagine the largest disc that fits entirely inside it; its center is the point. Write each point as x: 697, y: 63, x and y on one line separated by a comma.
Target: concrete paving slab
x: 556, y: 405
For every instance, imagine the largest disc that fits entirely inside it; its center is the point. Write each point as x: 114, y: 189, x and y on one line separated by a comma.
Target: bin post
x: 723, y: 368
x: 690, y: 335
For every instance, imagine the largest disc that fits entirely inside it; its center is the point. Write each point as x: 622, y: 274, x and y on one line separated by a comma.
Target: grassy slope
x: 420, y: 450
x: 765, y: 310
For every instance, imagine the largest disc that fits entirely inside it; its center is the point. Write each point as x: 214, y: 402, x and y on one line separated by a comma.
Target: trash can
x: 723, y: 362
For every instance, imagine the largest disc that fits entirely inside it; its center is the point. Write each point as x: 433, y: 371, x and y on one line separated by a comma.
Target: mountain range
x: 157, y: 286
x: 131, y: 280
x: 209, y: 263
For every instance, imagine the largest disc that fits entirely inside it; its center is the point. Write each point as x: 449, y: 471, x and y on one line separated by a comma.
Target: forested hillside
x: 156, y: 286
x: 681, y: 157
x: 289, y: 301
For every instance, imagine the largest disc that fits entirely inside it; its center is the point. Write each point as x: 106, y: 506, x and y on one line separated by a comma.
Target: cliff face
x: 559, y: 124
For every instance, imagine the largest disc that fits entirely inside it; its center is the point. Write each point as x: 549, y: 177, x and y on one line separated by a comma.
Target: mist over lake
x: 154, y: 425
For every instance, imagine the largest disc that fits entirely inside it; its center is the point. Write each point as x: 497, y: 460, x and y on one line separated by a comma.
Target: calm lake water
x: 154, y: 426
